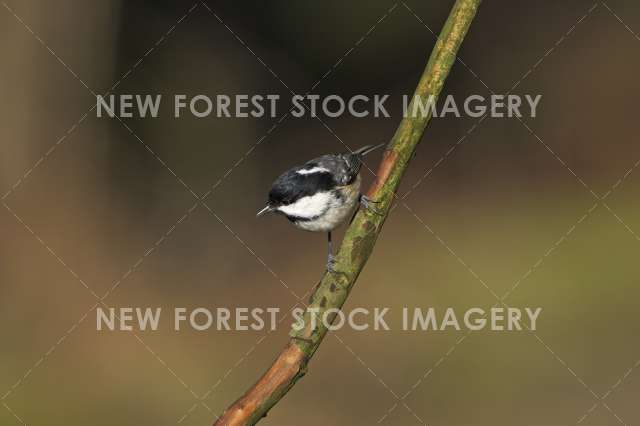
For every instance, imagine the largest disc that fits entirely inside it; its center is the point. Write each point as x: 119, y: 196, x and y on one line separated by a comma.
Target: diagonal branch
x: 357, y: 245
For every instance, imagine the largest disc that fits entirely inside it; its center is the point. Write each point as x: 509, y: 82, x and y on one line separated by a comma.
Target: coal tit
x: 321, y: 194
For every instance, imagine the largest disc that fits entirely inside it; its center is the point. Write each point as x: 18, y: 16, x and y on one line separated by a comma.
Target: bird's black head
x: 300, y: 182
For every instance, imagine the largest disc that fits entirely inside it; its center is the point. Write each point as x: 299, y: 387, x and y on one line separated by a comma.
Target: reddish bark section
x: 384, y: 170
x: 281, y: 374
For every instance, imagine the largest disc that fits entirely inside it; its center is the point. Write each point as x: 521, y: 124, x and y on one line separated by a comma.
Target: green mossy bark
x: 334, y: 288
x: 357, y: 245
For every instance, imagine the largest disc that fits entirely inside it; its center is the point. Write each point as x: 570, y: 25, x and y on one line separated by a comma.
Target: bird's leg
x: 367, y: 203
x: 330, y: 259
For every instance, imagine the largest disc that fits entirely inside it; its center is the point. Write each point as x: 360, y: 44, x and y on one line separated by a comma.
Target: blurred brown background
x: 87, y: 201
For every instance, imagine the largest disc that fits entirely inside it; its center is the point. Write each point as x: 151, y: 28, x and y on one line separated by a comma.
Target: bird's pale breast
x: 340, y: 207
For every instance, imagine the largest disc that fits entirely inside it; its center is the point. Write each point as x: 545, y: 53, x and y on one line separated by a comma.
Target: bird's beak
x: 265, y: 210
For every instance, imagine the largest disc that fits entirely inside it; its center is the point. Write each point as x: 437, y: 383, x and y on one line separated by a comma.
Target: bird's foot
x: 368, y: 204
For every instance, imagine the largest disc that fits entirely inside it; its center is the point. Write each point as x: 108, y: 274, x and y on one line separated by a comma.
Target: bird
x: 321, y: 194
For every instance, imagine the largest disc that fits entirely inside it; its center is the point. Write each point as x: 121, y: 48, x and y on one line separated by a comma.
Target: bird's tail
x: 367, y: 149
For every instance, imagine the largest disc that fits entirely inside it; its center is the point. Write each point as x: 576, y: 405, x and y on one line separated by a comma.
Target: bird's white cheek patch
x: 308, y: 207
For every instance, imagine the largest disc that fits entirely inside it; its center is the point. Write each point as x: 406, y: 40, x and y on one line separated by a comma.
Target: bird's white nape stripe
x: 309, y: 206
x: 312, y: 170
